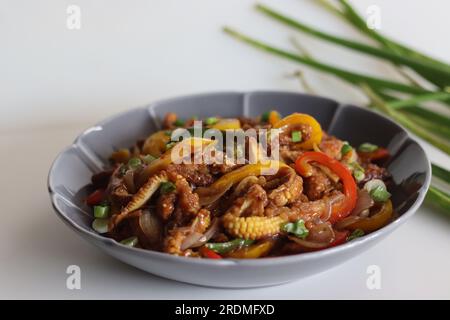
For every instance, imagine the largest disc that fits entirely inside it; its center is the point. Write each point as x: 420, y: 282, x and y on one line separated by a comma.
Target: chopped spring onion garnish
x: 100, y: 225
x: 167, y: 187
x: 168, y: 133
x: 179, y: 123
x: 297, y: 228
x: 377, y: 190
x: 372, y: 184
x: 148, y: 158
x: 357, y: 233
x: 265, y: 116
x: 131, y: 241
x: 346, y: 148
x: 296, y: 136
x: 133, y: 163
x: 367, y: 147
x: 224, y: 247
x: 101, y: 211
x: 211, y: 120
x: 359, y: 175
x: 380, y: 194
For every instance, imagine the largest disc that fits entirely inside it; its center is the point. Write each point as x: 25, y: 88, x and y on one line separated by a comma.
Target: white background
x: 55, y: 82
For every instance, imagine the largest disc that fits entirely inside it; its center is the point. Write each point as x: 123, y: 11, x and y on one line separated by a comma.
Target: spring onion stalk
x: 439, y: 198
x: 349, y: 15
x: 440, y: 130
x: 441, y: 173
x: 351, y: 77
x: 399, y: 104
x: 352, y: 17
x: 379, y: 103
x: 431, y: 116
x: 432, y: 71
x: 425, y: 115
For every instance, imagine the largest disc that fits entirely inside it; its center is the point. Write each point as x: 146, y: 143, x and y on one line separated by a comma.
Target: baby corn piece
x: 253, y: 228
x: 140, y: 198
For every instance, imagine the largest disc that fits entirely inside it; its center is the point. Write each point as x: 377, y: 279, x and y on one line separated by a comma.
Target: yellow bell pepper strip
x: 253, y: 251
x: 227, y: 124
x: 167, y: 157
x: 120, y: 156
x: 155, y: 144
x: 301, y: 118
x: 209, y: 194
x: 375, y: 222
x: 274, y: 117
x: 342, y: 208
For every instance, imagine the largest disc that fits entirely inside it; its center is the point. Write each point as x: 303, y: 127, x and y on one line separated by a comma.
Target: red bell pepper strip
x: 378, y: 154
x: 343, y: 208
x: 208, y: 253
x: 95, y: 197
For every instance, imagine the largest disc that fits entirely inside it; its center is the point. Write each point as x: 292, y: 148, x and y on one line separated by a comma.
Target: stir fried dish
x: 307, y: 191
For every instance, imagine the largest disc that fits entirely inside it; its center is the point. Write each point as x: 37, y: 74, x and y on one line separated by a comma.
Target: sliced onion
x: 363, y: 202
x: 128, y: 178
x: 150, y: 226
x: 327, y: 211
x: 344, y: 223
x: 321, y: 233
x: 308, y: 245
x: 196, y: 239
x: 190, y: 240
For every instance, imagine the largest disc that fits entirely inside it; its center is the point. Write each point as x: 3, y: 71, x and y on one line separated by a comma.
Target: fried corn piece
x: 253, y: 228
x: 289, y: 190
x: 140, y: 198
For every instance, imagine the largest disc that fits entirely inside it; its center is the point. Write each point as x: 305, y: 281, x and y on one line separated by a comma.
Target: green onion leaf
x: 131, y: 241
x: 133, y: 163
x: 100, y: 225
x: 359, y: 175
x: 367, y: 147
x: 265, y: 116
x: 211, y: 120
x: 379, y: 194
x: 297, y: 228
x: 101, y: 211
x: 346, y: 148
x: 224, y: 247
x: 296, y: 136
x: 167, y: 187
x: 179, y: 123
x: 148, y: 159
x: 357, y: 233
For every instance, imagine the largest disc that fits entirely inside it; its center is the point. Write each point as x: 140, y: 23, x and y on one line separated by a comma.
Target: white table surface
x: 56, y: 82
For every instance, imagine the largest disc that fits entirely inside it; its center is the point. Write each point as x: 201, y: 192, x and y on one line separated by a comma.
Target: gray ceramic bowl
x: 72, y: 170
